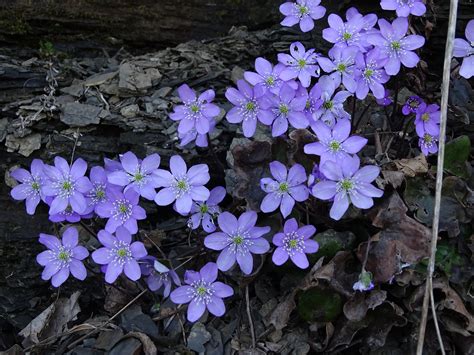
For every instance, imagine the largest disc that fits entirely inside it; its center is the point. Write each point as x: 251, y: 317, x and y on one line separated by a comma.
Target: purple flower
x: 428, y: 144
x: 30, y: 185
x: 294, y: 243
x: 412, y: 105
x: 341, y: 63
x: 137, y: 175
x: 111, y: 165
x: 267, y: 76
x: 284, y: 107
x: 100, y: 191
x: 303, y: 12
x: 313, y: 101
x: 67, y: 215
x: 238, y: 240
x: 427, y: 120
x: 196, y: 111
x: 286, y: 188
x: 206, y: 211
x: 202, y: 291
x: 335, y: 144
x: 386, y: 100
x: 347, y: 184
x: 369, y: 20
x: 370, y: 74
x: 404, y: 7
x: 63, y: 257
x: 158, y: 275
x: 193, y: 136
x: 67, y: 185
x: 248, y: 108
x: 365, y: 282
x: 344, y: 34
x: 332, y: 106
x: 182, y: 185
x: 465, y: 49
x: 300, y: 64
x: 315, y: 177
x: 394, y: 44
x: 121, y: 209
x: 119, y: 254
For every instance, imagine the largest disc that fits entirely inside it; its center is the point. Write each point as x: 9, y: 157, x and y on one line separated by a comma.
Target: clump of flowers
x: 239, y: 239
x: 287, y: 187
x: 182, y: 186
x: 465, y: 49
x: 122, y: 210
x: 202, y: 292
x: 66, y: 185
x: 347, y: 184
x: 412, y: 105
x: 197, y: 112
x: 396, y: 45
x: 158, y: 276
x: 299, y: 64
x: 205, y: 212
x: 294, y: 243
x: 248, y: 108
x: 119, y: 254
x: 137, y: 175
x: 30, y: 185
x: 334, y: 144
x: 405, y: 8
x: 304, y: 12
x: 63, y: 257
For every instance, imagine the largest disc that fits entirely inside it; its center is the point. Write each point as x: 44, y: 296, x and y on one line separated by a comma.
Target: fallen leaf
x: 52, y: 321
x: 412, y: 167
x: 401, y: 240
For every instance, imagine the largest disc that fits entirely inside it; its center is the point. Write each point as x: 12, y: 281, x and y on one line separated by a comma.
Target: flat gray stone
x: 79, y: 115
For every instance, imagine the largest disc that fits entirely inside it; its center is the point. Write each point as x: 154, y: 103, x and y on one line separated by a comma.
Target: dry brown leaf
x: 412, y: 167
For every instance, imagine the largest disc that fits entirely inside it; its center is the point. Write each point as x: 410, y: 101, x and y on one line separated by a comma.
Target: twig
x: 249, y: 315
x: 76, y: 136
x: 72, y: 345
x: 439, y: 182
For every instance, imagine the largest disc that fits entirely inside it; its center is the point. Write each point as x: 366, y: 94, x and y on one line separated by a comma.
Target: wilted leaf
x: 412, y: 167
x: 401, y: 240
x: 53, y: 320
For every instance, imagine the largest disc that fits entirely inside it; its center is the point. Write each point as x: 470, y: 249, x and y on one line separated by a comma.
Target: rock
x: 198, y: 337
x: 127, y: 346
x: 80, y: 115
x: 99, y: 79
x: 136, y: 79
x: 25, y: 146
x: 130, y: 111
x: 133, y: 319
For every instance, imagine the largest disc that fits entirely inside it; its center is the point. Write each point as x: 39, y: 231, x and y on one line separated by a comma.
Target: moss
x: 319, y: 305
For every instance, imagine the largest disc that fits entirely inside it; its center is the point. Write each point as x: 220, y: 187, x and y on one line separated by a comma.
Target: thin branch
x: 249, y: 315
x: 439, y: 182
x: 73, y: 344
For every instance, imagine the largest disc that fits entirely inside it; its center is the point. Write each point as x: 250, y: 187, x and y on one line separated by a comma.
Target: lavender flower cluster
x: 427, y: 118
x: 290, y: 94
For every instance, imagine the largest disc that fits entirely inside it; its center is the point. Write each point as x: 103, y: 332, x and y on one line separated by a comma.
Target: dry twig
x: 439, y: 183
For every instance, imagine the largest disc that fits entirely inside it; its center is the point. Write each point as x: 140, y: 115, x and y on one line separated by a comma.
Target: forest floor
x: 99, y: 107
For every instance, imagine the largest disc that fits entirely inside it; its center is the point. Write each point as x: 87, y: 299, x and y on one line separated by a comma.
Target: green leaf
x: 456, y: 155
